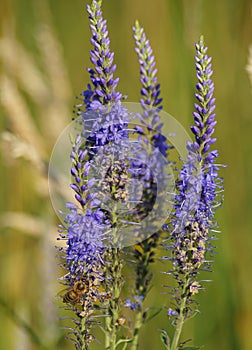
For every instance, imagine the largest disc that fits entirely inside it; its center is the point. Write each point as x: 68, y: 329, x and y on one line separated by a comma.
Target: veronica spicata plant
x: 93, y: 270
x: 198, y: 186
x: 150, y: 134
x: 109, y: 149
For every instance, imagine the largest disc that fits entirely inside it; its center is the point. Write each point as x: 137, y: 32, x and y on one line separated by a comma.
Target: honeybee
x: 87, y: 288
x: 75, y: 294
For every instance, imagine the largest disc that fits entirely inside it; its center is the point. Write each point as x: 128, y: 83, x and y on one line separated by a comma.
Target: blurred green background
x: 44, y: 51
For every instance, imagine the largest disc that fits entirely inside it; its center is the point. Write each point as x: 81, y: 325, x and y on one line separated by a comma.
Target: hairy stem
x: 84, y: 330
x: 181, y: 318
x: 137, y: 327
x: 114, y: 288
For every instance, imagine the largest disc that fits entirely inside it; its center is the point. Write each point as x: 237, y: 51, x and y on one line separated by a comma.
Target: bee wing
x: 63, y: 292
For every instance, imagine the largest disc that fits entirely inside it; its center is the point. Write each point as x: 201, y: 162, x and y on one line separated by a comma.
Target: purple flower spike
x: 198, y: 180
x: 148, y: 74
x: 85, y: 234
x: 150, y: 101
x: 197, y: 186
x: 102, y: 78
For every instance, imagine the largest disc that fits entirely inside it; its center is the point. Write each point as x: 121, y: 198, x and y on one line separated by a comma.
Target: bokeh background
x: 44, y: 52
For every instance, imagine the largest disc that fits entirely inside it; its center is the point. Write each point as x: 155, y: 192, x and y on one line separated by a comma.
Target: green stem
x: 179, y: 326
x: 115, y: 302
x: 84, y: 330
x: 107, y: 333
x: 143, y: 278
x: 181, y: 317
x: 114, y: 287
x: 138, y: 326
x: 114, y: 279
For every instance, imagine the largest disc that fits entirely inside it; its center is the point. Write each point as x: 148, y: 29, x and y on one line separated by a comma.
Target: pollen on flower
x: 194, y: 287
x: 115, y: 181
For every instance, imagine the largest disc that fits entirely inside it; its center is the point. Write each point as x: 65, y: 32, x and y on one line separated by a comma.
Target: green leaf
x: 165, y: 339
x: 123, y: 341
x: 190, y: 348
x: 182, y: 346
x: 125, y: 346
x: 154, y: 314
